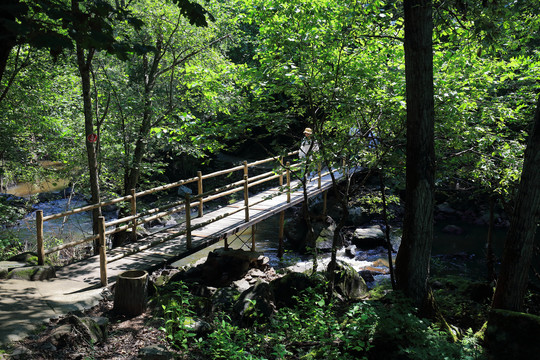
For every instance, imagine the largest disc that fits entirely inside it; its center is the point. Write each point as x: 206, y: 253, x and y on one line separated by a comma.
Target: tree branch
x: 190, y: 55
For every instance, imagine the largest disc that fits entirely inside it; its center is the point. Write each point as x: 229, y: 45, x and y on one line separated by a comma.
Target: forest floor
x: 463, y: 302
x: 126, y: 336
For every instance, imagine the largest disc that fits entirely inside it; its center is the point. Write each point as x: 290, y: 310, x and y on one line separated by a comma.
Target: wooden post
x: 226, y: 243
x: 245, y: 168
x: 281, y: 171
x: 200, y: 187
x: 133, y: 213
x: 246, y: 197
x: 253, y: 237
x: 188, y: 222
x: 39, y: 237
x: 325, y: 198
x: 319, y: 171
x: 288, y: 182
x: 281, y: 228
x: 102, y: 251
x: 130, y: 292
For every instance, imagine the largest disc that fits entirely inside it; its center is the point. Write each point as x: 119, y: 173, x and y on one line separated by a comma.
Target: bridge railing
x: 283, y: 174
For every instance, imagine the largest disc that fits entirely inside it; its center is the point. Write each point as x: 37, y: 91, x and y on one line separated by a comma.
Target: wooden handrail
x: 86, y: 208
x: 136, y: 219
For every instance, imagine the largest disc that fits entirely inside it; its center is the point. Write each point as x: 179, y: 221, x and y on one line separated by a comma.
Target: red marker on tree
x: 92, y: 138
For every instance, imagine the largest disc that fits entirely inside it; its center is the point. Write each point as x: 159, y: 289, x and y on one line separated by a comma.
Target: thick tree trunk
x: 412, y: 262
x: 84, y: 61
x: 519, y: 245
x: 8, y: 39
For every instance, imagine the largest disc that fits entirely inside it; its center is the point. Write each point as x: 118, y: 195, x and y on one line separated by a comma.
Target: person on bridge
x: 307, y: 148
x: 308, y: 145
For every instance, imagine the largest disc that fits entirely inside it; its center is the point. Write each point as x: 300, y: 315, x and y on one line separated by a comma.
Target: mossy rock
x: 256, y: 303
x: 512, y: 335
x: 224, y: 299
x: 76, y: 330
x: 33, y: 273
x: 348, y: 282
x: 29, y: 258
x: 287, y: 287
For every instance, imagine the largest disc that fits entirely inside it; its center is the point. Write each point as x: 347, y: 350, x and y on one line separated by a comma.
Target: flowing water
x: 464, y: 252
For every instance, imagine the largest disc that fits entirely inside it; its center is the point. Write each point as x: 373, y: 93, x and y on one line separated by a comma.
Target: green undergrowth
x: 385, y: 328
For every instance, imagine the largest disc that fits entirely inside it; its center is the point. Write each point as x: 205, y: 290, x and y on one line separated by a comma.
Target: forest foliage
x: 265, y: 70
x: 173, y: 81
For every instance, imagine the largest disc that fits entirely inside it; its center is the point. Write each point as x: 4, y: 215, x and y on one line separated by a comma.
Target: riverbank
x: 147, y: 335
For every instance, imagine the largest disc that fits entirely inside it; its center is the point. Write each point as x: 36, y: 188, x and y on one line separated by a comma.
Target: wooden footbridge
x: 283, y: 189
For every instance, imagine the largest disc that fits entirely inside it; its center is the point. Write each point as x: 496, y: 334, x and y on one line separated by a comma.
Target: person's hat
x: 308, y: 131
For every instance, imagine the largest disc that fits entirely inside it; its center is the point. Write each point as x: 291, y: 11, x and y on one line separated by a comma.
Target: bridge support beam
x: 325, y: 201
x: 281, y: 249
x: 288, y: 182
x: 253, y: 238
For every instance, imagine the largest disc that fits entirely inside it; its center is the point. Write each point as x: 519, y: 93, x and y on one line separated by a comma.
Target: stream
x: 460, y: 253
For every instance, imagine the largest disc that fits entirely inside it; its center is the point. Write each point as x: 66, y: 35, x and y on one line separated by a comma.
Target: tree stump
x: 130, y: 292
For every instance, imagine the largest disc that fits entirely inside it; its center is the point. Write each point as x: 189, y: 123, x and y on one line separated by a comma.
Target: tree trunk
x: 412, y: 262
x: 490, y: 255
x: 9, y: 39
x: 389, y: 247
x: 519, y: 244
x: 84, y: 62
x: 133, y: 172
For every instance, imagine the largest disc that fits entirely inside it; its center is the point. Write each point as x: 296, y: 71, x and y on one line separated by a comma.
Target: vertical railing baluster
x: 188, y: 222
x: 281, y: 171
x: 133, y: 213
x: 102, y: 251
x: 319, y: 171
x: 39, y: 237
x: 200, y: 190
x: 288, y: 182
x: 246, y: 197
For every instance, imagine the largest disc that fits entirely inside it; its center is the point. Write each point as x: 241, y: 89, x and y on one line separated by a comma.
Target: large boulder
x: 295, y: 230
x: 325, y: 236
x: 256, y: 303
x: 348, y: 283
x: 9, y: 265
x: 33, y: 273
x: 512, y: 335
x: 369, y: 237
x: 287, y: 287
x: 197, y: 326
x: 28, y: 257
x: 224, y: 299
x: 357, y: 216
x: 73, y: 330
x: 221, y: 268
